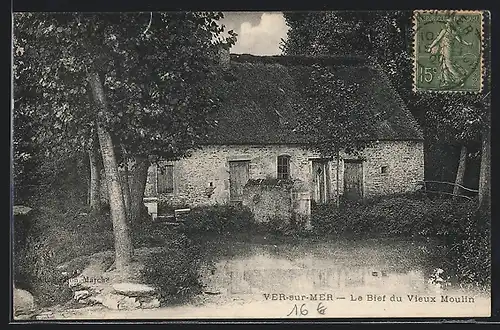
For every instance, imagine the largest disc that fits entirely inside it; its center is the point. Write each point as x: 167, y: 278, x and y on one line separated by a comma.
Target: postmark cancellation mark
x: 448, y: 47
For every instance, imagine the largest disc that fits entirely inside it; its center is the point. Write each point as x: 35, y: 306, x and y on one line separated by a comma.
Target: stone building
x: 255, y: 140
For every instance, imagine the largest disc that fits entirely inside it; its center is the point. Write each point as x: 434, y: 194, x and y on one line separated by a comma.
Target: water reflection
x: 341, y: 267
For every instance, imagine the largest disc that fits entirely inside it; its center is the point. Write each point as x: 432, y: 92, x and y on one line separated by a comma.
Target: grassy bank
x: 54, y: 238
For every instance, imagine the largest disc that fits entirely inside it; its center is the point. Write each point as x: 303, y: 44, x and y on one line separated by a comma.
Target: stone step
x: 133, y: 289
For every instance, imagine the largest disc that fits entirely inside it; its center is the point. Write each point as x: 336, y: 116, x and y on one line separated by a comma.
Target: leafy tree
x: 385, y: 37
x: 335, y: 118
x: 138, y: 84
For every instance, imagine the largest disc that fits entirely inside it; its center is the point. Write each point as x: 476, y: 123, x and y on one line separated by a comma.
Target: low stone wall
x: 277, y: 200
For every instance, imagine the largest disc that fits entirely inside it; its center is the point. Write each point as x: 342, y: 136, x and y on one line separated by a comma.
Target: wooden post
x: 484, y: 193
x: 459, y: 180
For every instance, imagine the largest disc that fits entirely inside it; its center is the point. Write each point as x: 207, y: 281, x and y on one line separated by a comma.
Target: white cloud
x: 261, y: 39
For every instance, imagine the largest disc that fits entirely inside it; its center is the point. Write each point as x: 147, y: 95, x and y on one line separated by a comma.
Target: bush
x: 400, y: 215
x: 295, y: 227
x: 51, y: 288
x: 470, y: 251
x: 462, y: 231
x: 167, y: 207
x: 327, y: 219
x: 219, y: 219
x: 151, y: 234
x: 175, y: 271
x: 53, y: 238
x: 71, y: 235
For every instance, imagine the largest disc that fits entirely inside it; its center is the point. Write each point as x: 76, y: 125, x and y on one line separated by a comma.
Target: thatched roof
x: 261, y: 99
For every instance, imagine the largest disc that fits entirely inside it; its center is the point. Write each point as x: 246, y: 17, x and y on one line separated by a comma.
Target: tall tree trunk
x: 125, y: 185
x: 137, y: 188
x: 337, y: 175
x: 95, y: 179
x: 459, y: 179
x: 126, y: 191
x: 123, y: 242
x: 485, y: 173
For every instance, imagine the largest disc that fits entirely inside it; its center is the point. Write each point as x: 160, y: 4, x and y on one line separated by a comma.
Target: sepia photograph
x: 188, y: 165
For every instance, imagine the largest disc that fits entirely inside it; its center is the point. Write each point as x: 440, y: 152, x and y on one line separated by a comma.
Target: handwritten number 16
x: 299, y: 311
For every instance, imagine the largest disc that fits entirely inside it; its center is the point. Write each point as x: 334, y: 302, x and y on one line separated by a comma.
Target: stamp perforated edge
x: 414, y: 49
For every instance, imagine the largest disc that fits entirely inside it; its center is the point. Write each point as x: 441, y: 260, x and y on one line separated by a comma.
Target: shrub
x: 295, y: 227
x: 175, y: 271
x: 470, y: 251
x: 151, y: 234
x: 400, y: 215
x: 327, y: 219
x: 51, y: 288
x: 166, y: 207
x: 219, y: 219
x: 52, y: 239
x: 463, y: 232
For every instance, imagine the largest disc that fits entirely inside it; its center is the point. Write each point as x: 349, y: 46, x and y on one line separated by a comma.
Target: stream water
x: 360, y: 277
x: 305, y: 278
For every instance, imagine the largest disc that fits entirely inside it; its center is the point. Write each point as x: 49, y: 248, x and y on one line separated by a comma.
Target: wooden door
x: 321, y: 180
x: 238, y: 178
x: 165, y: 179
x: 353, y: 180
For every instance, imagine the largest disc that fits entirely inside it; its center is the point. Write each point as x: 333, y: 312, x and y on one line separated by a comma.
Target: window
x: 383, y: 169
x: 283, y: 167
x: 165, y: 179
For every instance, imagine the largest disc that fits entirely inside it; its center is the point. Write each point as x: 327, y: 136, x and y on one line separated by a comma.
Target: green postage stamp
x: 448, y: 47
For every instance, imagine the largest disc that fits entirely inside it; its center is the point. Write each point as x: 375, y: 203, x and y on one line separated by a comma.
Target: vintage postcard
x: 251, y: 165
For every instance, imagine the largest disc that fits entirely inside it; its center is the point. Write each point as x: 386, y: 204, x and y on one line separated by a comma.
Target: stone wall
x: 404, y: 166
x: 208, y: 170
x: 210, y: 165
x: 269, y: 199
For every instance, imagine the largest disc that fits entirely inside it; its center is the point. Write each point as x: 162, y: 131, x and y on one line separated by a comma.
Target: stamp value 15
x: 448, y: 47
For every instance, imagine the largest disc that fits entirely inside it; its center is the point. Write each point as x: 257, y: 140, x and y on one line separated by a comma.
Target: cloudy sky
x: 259, y: 33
